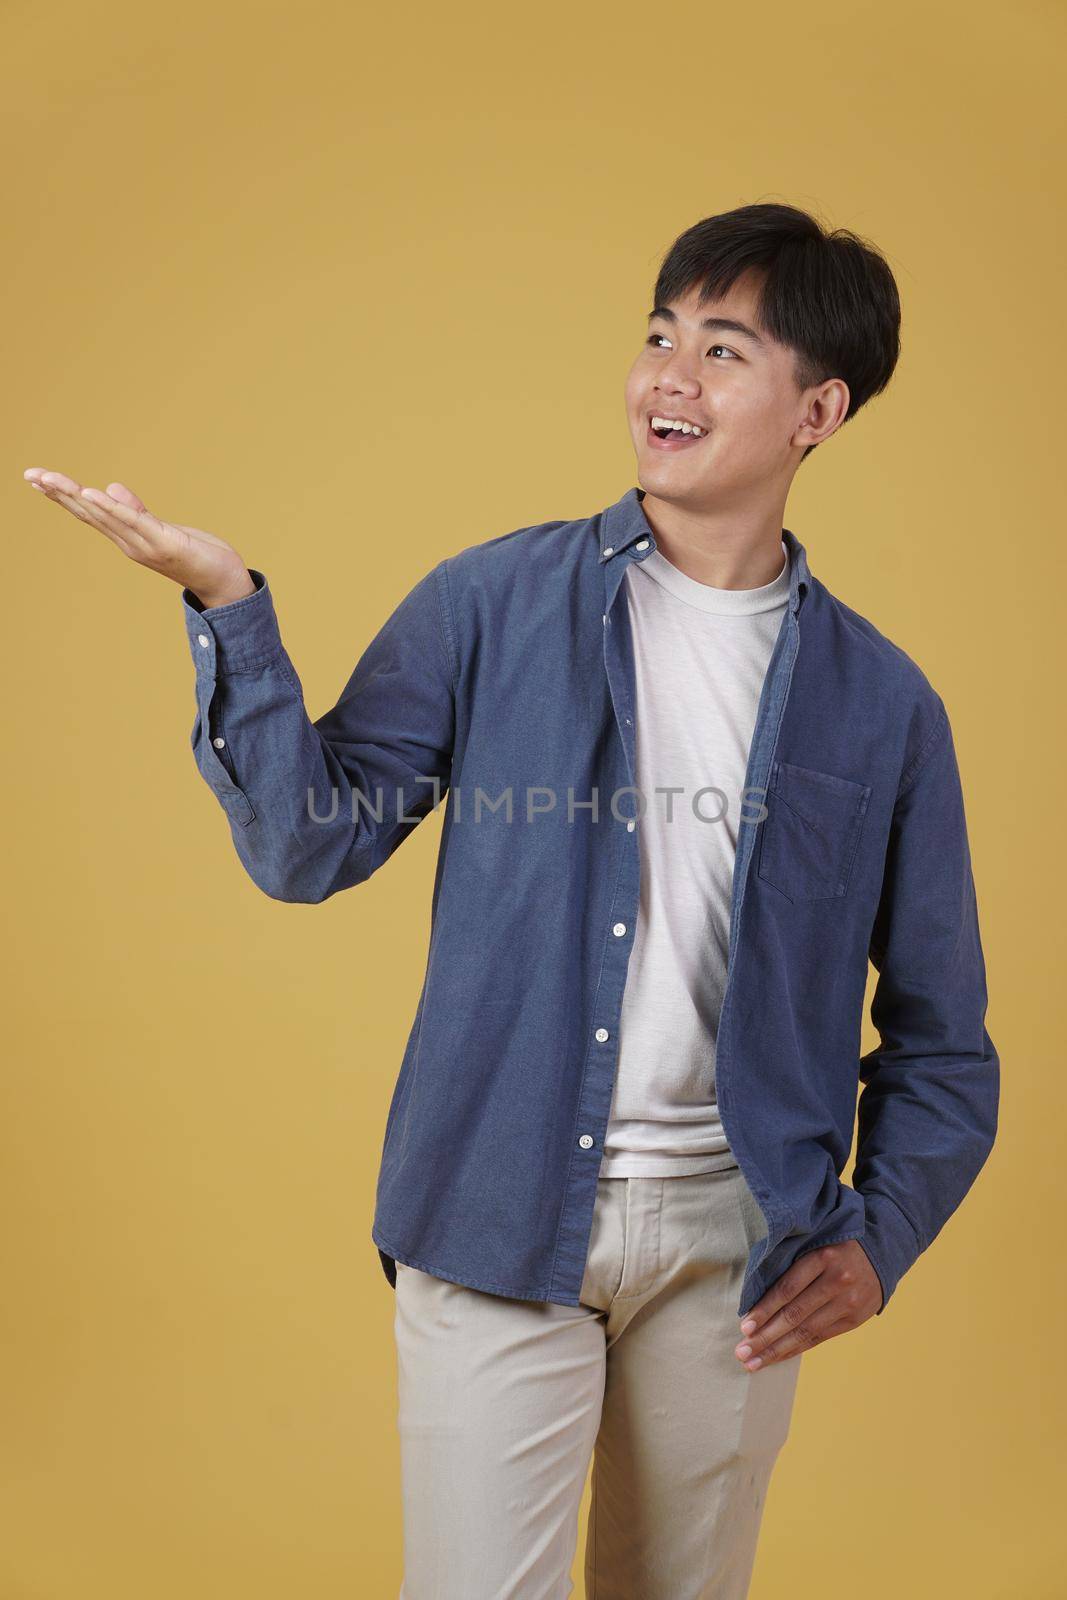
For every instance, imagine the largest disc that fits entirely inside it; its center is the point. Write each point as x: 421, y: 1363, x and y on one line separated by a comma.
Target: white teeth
x: 683, y: 427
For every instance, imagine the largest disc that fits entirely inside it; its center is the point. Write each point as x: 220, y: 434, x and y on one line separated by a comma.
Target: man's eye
x: 653, y: 337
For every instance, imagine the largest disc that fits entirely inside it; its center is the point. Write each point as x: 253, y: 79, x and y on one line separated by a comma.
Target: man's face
x: 736, y: 385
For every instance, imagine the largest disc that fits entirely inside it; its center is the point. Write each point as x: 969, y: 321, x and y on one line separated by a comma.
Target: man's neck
x: 728, y: 550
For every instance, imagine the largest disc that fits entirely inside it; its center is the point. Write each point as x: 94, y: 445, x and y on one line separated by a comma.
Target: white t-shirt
x: 701, y: 655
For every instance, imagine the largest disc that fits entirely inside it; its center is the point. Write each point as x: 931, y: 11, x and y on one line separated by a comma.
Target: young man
x: 689, y: 794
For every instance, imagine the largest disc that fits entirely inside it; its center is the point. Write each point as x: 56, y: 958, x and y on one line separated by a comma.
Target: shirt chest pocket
x: 809, y: 837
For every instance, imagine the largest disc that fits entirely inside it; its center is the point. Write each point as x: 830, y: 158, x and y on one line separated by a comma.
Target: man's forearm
x: 927, y: 1115
x: 316, y: 807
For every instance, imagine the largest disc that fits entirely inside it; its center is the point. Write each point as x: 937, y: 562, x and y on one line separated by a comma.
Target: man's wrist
x: 239, y: 588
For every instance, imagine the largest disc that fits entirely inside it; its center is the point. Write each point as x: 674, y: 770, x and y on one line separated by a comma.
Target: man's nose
x: 679, y: 376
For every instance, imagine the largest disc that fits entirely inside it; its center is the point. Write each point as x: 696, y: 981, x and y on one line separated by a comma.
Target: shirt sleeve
x: 315, y: 807
x: 928, y: 1108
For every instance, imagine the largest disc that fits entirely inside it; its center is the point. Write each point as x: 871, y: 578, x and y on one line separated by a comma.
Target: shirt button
x: 630, y: 826
x: 220, y: 744
x: 202, y: 639
x: 642, y: 544
x: 601, y: 1034
x: 586, y: 1140
x: 609, y: 550
x: 619, y: 929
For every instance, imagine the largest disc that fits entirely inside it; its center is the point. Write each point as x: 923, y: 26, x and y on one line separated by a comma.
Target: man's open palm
x: 209, y: 567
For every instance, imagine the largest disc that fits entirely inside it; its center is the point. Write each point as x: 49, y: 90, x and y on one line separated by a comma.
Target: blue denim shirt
x: 508, y: 669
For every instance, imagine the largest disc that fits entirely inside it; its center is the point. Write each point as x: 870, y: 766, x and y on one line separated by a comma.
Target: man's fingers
x: 132, y: 530
x: 805, y: 1270
x: 71, y: 502
x: 798, y: 1312
x: 136, y: 520
x: 57, y: 480
x: 85, y: 511
x: 43, y: 476
x: 107, y: 516
x: 814, y: 1329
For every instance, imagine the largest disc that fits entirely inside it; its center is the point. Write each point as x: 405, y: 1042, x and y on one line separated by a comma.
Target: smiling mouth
x: 675, y: 440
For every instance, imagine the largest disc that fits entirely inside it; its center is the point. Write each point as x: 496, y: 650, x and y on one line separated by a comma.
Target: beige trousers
x: 503, y: 1402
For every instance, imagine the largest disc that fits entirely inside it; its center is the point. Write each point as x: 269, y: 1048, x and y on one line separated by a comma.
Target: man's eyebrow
x: 714, y: 324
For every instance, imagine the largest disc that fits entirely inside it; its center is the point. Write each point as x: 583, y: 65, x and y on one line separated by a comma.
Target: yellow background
x: 355, y: 288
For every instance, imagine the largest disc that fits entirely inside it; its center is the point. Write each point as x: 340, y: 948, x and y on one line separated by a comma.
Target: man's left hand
x: 826, y: 1291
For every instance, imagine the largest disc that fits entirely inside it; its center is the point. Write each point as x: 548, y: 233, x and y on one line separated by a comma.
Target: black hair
x: 827, y: 295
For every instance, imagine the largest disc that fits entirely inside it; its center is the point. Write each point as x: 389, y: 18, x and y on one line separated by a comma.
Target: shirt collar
x: 624, y: 525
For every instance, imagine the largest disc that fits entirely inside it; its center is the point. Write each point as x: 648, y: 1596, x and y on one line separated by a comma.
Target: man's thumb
x: 119, y: 491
